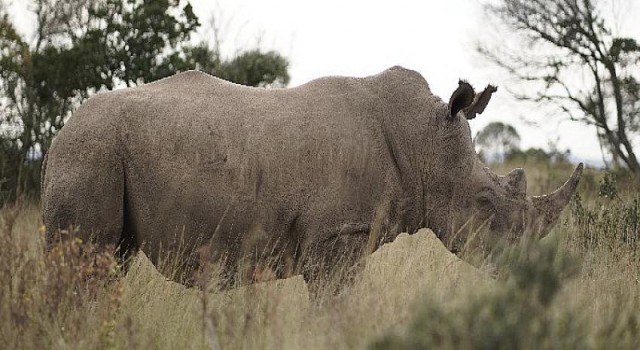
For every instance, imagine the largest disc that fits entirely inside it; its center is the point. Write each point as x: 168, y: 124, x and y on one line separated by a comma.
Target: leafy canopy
x: 81, y: 47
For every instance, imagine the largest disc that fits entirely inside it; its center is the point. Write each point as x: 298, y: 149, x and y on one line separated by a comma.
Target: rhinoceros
x: 303, y: 177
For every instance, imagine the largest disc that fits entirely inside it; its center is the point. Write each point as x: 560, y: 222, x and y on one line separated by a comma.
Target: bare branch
x: 578, y: 38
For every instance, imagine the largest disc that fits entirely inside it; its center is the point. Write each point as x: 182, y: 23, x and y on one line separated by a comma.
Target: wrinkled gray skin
x: 298, y: 178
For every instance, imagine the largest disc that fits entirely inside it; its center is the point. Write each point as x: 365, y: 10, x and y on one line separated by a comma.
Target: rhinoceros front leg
x: 332, y: 261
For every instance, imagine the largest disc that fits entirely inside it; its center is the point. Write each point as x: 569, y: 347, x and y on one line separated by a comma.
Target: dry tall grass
x: 578, y: 288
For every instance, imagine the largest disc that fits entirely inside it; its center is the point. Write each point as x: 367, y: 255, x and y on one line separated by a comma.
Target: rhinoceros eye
x: 484, y: 200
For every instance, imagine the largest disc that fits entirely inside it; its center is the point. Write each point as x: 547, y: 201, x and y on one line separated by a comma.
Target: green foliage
x: 250, y: 68
x: 536, y: 155
x: 518, y: 315
x: 255, y: 68
x: 145, y: 32
x: 608, y: 187
x: 609, y: 222
x: 85, y: 46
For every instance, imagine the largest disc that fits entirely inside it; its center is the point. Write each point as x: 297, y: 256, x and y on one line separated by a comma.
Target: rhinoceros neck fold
x: 409, y: 116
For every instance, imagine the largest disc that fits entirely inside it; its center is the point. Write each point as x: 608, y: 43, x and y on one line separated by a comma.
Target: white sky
x: 360, y: 37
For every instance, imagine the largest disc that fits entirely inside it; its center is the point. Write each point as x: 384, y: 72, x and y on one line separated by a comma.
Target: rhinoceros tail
x: 42, y: 171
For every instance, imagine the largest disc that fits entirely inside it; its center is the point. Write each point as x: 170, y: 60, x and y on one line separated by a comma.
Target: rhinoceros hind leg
x: 83, y: 200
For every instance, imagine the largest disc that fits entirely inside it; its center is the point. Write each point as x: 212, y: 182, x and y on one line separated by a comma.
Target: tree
x: 85, y: 46
x: 251, y: 68
x: 538, y: 155
x: 496, y: 141
x: 572, y: 59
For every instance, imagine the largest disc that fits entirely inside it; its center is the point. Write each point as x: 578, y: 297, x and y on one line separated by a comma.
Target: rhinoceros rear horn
x: 460, y: 99
x: 549, y: 207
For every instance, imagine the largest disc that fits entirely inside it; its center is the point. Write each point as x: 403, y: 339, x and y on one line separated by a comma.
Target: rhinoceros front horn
x: 548, y: 207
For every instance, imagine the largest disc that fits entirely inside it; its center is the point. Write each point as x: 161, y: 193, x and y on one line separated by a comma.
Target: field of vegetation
x: 579, y: 288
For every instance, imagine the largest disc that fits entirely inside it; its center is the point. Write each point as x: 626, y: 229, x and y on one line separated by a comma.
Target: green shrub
x: 516, y: 314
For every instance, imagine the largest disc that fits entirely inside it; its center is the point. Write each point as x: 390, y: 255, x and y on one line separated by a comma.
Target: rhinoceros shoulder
x: 400, y: 76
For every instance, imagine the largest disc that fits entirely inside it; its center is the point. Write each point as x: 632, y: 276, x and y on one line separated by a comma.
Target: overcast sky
x: 364, y: 37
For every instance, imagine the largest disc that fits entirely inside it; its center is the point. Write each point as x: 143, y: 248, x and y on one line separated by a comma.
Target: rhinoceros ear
x: 480, y: 102
x: 460, y: 99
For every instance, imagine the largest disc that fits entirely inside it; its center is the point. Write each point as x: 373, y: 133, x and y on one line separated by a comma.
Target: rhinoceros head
x: 484, y: 201
x: 501, y: 205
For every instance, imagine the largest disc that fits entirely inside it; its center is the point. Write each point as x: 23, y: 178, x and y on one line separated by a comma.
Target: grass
x: 578, y: 288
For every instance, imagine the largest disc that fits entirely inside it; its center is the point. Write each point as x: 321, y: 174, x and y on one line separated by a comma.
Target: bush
x: 609, y: 221
x: 17, y: 175
x: 69, y: 295
x: 515, y: 315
